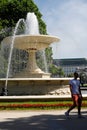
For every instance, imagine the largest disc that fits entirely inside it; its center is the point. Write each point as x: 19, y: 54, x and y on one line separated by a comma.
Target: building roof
x: 73, y: 61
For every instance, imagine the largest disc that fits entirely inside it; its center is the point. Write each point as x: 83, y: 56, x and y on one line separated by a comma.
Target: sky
x: 66, y: 19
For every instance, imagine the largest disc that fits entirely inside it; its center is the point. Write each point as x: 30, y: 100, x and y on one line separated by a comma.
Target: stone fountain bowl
x: 38, y: 42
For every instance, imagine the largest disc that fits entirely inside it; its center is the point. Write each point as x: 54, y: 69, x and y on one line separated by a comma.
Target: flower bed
x: 37, y: 106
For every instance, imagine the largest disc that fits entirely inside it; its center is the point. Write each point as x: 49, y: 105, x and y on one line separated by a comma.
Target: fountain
x: 31, y: 42
x: 32, y: 80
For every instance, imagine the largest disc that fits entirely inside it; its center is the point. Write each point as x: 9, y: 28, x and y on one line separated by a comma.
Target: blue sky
x: 66, y: 19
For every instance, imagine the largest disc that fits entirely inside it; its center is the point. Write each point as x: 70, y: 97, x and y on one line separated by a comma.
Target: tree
x: 12, y: 10
x: 56, y: 71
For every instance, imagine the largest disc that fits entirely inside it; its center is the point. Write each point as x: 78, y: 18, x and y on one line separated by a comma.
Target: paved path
x: 42, y: 120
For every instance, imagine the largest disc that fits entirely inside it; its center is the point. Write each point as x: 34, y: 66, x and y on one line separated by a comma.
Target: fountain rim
x: 36, y: 79
x: 56, y: 39
x: 37, y: 35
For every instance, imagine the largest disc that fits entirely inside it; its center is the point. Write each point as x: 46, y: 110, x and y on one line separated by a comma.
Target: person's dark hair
x: 76, y: 74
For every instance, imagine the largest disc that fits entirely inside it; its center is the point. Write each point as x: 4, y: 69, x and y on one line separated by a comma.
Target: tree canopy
x: 12, y: 10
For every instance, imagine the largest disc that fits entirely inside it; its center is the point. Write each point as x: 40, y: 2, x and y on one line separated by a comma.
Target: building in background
x: 70, y: 65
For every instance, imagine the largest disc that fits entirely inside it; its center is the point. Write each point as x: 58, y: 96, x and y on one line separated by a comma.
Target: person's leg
x: 79, y: 105
x: 72, y: 107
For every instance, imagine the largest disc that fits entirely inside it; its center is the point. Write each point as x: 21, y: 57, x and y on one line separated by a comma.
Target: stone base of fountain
x: 35, y: 86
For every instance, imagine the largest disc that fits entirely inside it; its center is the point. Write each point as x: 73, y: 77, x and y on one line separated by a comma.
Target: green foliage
x: 49, y: 55
x: 12, y: 10
x: 56, y: 71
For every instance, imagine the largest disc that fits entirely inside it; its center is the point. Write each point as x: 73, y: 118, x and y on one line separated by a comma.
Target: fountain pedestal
x: 32, y: 70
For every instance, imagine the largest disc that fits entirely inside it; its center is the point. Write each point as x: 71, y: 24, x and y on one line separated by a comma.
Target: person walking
x: 75, y: 94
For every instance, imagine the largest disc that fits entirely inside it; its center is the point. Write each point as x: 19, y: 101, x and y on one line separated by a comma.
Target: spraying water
x: 11, y: 50
x: 31, y: 26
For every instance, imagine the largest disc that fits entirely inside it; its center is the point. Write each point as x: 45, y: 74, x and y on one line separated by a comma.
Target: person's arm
x: 70, y: 89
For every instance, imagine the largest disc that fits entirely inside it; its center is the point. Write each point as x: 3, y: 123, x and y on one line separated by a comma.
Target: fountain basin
x: 34, y: 86
x: 26, y: 42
